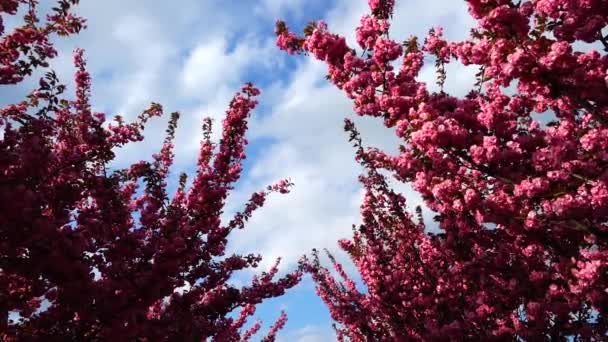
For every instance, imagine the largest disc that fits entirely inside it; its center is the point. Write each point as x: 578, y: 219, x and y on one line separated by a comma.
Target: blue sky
x: 192, y: 59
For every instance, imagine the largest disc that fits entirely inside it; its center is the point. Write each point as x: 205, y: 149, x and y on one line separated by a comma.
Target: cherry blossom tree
x: 90, y: 253
x: 516, y: 172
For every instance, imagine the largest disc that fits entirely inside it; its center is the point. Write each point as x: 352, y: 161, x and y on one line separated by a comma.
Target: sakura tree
x: 86, y: 255
x: 522, y: 204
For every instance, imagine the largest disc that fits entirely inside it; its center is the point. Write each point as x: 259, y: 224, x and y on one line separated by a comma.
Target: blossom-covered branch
x: 86, y: 256
x: 521, y: 203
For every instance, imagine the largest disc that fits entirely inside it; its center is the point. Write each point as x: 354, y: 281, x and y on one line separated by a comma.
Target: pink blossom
x: 516, y: 178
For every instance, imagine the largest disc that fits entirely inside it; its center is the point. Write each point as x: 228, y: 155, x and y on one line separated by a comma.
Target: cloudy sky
x: 192, y: 55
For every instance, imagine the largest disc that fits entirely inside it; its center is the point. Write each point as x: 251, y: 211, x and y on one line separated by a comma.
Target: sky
x: 193, y: 55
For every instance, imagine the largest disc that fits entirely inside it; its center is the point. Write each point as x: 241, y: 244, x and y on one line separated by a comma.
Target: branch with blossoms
x: 28, y: 47
x: 83, y: 254
x: 521, y: 207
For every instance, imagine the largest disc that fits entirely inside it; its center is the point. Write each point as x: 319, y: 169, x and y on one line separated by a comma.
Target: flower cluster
x: 28, y: 46
x: 87, y: 255
x: 517, y: 179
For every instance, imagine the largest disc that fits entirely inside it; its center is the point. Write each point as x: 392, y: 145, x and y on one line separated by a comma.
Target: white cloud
x: 309, y: 333
x: 202, y: 70
x: 417, y: 17
x: 290, y: 9
x: 211, y: 63
x: 276, y: 8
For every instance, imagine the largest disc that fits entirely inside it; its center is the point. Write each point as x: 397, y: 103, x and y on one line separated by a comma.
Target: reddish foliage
x: 83, y: 254
x: 522, y: 207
